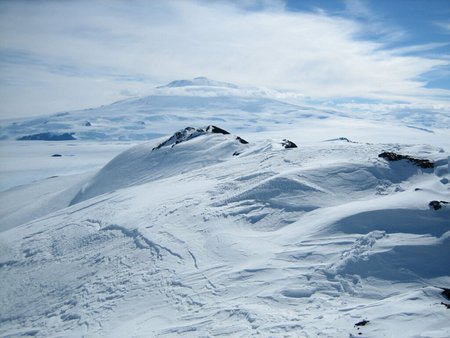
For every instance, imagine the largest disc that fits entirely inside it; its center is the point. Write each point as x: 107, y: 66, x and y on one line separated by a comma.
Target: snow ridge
x: 186, y: 150
x: 181, y: 238
x: 189, y: 133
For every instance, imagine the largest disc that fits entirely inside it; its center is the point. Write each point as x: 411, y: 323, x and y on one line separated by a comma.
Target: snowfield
x: 205, y: 235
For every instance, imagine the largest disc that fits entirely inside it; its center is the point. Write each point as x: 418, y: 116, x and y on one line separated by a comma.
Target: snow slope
x: 180, y: 103
x: 189, y: 240
x: 24, y: 162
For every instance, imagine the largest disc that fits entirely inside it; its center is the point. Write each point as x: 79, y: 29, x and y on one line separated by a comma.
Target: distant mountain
x: 200, y: 101
x: 199, y: 81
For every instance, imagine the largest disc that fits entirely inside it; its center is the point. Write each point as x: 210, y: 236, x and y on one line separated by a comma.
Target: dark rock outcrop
x: 216, y: 130
x: 56, y: 155
x: 48, y: 137
x: 446, y: 294
x: 241, y: 140
x: 423, y: 163
x: 436, y: 205
x: 189, y: 133
x: 288, y: 144
x: 362, y: 323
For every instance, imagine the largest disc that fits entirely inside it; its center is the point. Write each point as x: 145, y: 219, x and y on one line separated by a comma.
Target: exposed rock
x: 446, y: 293
x: 241, y: 140
x: 189, y: 133
x: 362, y: 323
x: 216, y: 130
x: 88, y: 124
x: 48, y: 137
x: 56, y: 155
x: 390, y: 156
x: 436, y: 205
x: 288, y: 144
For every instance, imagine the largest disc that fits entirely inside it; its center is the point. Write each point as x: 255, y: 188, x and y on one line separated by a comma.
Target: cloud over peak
x: 106, y: 47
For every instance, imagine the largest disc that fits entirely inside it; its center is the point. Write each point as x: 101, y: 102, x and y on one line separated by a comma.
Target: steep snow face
x: 187, y: 150
x: 188, y: 240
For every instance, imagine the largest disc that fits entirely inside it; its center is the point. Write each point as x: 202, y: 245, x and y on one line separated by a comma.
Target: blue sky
x: 65, y: 55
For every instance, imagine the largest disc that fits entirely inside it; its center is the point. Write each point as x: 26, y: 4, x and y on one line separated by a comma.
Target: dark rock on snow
x: 436, y: 205
x: 241, y: 140
x: 288, y: 144
x: 189, y: 133
x: 390, y: 156
x: 216, y: 130
x: 56, y: 155
x: 446, y: 293
x: 48, y: 137
x: 362, y: 323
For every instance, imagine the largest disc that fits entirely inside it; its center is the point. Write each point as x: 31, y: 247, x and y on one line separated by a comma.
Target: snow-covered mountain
x: 180, y: 103
x: 200, y: 101
x: 201, y: 234
x: 199, y: 81
x: 144, y: 163
x: 241, y: 215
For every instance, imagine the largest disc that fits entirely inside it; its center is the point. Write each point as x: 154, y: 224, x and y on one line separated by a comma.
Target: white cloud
x: 88, y: 52
x: 358, y: 8
x: 445, y: 26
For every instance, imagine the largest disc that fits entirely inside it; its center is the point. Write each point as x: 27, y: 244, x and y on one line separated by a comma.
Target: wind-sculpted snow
x: 185, y: 239
x: 195, y: 148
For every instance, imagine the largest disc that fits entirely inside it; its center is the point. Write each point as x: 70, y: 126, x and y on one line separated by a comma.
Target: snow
x: 27, y: 161
x: 202, y: 101
x: 190, y: 239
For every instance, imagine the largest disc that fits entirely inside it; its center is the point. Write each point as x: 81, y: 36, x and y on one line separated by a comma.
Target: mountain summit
x: 199, y: 81
x: 187, y: 150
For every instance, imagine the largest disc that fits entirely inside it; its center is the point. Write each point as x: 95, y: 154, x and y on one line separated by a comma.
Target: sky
x: 61, y: 55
